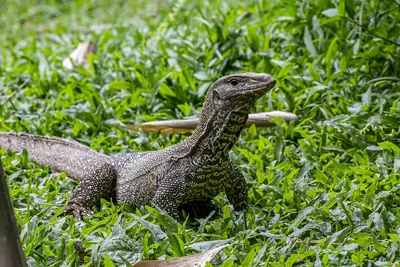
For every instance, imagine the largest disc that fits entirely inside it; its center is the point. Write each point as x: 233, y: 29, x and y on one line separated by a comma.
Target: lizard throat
x: 218, y: 136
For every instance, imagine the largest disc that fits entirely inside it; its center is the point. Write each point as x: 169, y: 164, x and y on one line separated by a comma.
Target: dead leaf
x: 262, y: 119
x: 79, y: 55
x: 196, y: 260
x: 100, y: 27
x: 154, y: 128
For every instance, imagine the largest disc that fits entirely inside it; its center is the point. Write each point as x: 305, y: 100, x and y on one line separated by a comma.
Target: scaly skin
x: 194, y: 170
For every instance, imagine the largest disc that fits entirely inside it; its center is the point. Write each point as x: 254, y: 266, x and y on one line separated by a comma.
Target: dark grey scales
x: 196, y: 169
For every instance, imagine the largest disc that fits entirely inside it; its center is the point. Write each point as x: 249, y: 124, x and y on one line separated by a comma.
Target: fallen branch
x: 262, y: 119
x: 196, y: 260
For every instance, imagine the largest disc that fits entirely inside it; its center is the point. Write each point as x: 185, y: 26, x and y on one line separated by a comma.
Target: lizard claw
x: 77, y: 210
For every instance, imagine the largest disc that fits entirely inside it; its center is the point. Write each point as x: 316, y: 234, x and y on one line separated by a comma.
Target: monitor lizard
x: 195, y: 169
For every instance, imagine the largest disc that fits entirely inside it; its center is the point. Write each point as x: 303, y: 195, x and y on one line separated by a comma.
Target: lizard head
x: 226, y: 108
x: 225, y: 111
x: 238, y: 92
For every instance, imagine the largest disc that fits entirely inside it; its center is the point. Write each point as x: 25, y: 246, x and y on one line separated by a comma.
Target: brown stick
x: 11, y: 253
x: 262, y: 119
x: 8, y: 98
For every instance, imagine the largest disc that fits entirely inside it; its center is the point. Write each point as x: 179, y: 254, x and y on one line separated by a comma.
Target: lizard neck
x: 215, y: 135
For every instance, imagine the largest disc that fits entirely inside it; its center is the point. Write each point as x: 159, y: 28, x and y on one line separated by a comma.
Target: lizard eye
x: 216, y: 96
x: 234, y: 82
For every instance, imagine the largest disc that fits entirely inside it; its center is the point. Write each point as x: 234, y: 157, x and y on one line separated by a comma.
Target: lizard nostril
x: 267, y: 77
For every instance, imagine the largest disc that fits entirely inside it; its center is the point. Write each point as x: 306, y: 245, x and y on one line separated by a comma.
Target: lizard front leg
x: 169, y: 194
x: 236, y: 189
x: 100, y: 183
x: 166, y: 204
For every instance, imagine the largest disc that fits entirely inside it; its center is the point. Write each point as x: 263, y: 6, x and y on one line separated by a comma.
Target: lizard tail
x: 59, y: 154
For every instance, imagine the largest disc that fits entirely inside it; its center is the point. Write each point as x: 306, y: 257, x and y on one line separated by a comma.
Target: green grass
x: 324, y: 192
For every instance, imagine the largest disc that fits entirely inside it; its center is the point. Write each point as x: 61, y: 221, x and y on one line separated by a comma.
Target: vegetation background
x: 324, y: 192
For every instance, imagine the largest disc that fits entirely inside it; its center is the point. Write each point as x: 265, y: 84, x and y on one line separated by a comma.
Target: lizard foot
x: 77, y: 210
x: 240, y: 206
x: 200, y: 209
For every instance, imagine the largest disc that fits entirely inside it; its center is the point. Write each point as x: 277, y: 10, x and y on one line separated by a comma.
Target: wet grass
x: 324, y: 192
